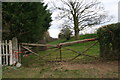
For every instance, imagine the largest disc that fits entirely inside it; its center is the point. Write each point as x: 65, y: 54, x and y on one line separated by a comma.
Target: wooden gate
x: 9, y: 52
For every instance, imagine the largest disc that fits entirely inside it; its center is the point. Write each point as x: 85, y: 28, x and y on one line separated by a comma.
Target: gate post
x: 10, y: 52
x: 60, y: 53
x: 15, y: 49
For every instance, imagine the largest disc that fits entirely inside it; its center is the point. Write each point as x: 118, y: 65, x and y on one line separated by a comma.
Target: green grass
x: 35, y: 67
x: 78, y: 47
x: 87, y: 36
x: 48, y: 72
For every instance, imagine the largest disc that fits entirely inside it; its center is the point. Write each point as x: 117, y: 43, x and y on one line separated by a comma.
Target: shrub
x: 109, y: 39
x: 65, y: 33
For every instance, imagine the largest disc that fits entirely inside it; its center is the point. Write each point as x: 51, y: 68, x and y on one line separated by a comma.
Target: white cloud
x: 111, y: 6
x: 54, y: 32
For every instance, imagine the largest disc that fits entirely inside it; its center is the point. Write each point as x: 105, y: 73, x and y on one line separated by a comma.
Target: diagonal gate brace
x: 82, y: 53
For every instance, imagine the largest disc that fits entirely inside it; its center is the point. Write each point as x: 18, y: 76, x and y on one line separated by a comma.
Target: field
x: 51, y: 67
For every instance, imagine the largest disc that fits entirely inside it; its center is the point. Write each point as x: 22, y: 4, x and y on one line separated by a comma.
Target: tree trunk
x: 76, y: 34
x: 76, y: 27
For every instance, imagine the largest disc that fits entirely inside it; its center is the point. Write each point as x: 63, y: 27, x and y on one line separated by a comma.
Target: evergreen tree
x: 27, y: 21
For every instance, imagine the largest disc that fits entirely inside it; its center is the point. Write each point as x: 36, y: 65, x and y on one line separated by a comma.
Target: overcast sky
x: 111, y: 6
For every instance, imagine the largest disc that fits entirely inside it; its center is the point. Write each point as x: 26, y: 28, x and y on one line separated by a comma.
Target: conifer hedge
x: 109, y: 39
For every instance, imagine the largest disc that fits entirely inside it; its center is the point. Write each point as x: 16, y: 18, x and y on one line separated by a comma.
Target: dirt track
x: 102, y: 68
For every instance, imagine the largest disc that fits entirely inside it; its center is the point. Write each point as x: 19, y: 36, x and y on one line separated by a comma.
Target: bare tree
x: 81, y: 13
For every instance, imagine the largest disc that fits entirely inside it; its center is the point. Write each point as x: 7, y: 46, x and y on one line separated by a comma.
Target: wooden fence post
x: 19, y: 54
x: 10, y: 52
x: 60, y: 53
x: 15, y: 49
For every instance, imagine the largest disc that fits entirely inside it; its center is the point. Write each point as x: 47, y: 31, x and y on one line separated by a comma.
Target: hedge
x: 109, y: 39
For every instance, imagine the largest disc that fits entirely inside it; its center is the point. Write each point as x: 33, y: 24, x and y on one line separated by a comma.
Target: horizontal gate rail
x: 60, y: 44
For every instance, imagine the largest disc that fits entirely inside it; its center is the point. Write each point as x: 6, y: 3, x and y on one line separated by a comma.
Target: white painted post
x: 10, y: 52
x: 3, y: 52
x: 6, y: 44
x: 0, y: 54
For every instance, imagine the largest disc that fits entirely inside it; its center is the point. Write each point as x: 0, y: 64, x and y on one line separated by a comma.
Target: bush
x: 109, y: 39
x: 65, y: 33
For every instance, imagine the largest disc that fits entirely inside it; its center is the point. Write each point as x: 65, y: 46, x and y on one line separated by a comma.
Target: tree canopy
x: 27, y: 21
x: 80, y: 13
